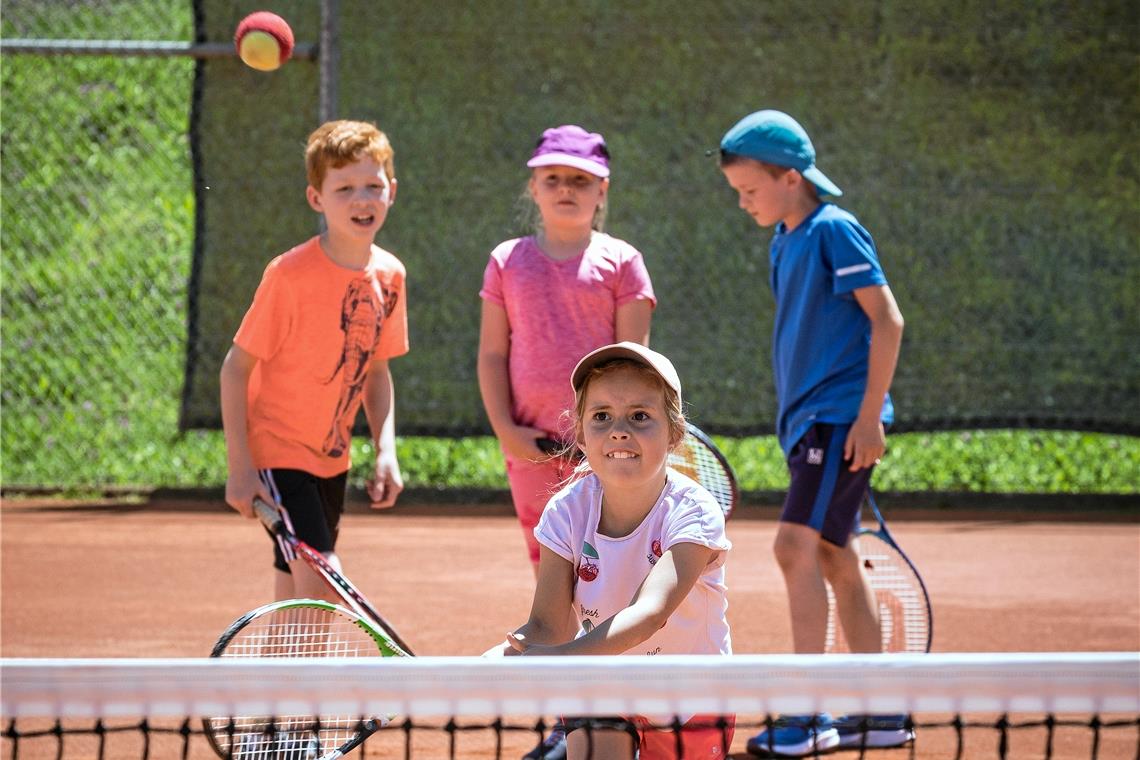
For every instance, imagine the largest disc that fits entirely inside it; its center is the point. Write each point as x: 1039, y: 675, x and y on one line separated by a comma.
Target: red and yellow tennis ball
x: 263, y: 40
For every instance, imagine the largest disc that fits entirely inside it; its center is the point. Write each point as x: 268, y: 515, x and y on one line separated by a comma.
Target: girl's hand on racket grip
x: 385, y: 487
x: 866, y: 443
x: 521, y: 442
x: 242, y: 487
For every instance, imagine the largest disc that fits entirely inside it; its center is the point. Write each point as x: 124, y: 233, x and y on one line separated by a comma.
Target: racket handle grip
x: 548, y: 446
x: 266, y: 512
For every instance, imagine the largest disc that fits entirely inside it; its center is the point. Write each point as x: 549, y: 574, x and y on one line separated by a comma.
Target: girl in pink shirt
x: 549, y: 299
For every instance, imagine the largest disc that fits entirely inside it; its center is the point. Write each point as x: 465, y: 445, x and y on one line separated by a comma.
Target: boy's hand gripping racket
x: 905, y: 617
x: 697, y: 457
x: 302, y: 628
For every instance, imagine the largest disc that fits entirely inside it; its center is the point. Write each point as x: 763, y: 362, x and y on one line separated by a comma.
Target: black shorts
x: 314, y: 506
x: 824, y: 494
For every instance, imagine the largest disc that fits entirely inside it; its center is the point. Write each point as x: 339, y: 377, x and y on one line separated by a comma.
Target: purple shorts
x: 824, y: 495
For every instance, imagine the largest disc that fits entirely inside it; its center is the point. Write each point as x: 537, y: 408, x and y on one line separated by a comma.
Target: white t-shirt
x: 609, y: 570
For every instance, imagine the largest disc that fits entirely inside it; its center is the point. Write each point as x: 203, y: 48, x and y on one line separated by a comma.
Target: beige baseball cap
x: 626, y: 350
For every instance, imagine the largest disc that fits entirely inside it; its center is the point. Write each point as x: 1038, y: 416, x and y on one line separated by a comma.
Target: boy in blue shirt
x: 835, y: 344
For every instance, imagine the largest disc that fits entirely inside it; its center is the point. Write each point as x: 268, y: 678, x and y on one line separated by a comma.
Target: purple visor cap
x: 570, y: 145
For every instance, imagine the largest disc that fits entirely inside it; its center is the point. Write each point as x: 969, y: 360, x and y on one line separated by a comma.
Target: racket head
x: 296, y: 628
x: 352, y: 597
x: 905, y: 619
x: 698, y: 458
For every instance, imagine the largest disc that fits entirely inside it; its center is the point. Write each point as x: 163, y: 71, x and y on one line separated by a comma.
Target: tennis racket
x: 297, y: 628
x: 905, y: 618
x: 697, y: 457
x: 271, y: 518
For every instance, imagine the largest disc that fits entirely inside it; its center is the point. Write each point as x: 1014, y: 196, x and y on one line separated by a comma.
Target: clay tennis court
x: 106, y: 579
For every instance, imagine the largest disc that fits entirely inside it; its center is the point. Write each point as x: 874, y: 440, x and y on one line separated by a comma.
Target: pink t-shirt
x: 558, y: 312
x: 608, y: 570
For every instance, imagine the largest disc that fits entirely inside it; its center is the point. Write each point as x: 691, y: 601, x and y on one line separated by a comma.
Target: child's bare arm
x: 551, y: 614
x: 866, y: 440
x: 659, y: 595
x: 495, y: 385
x: 379, y: 403
x: 242, y: 483
x: 632, y: 321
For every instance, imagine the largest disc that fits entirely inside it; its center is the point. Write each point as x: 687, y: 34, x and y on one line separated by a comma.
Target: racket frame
x: 883, y: 534
x: 697, y: 438
x: 270, y: 517
x: 366, y: 727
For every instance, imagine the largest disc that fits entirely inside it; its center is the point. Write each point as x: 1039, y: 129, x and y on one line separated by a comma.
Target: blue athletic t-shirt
x: 821, y: 337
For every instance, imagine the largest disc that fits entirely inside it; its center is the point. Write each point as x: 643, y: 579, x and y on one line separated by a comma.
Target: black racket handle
x: 548, y: 446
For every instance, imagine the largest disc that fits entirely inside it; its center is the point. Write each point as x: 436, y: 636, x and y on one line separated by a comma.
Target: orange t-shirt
x: 315, y: 328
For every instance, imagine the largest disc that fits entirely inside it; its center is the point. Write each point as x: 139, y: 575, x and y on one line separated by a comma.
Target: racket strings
x: 904, y: 620
x: 296, y: 631
x: 695, y: 461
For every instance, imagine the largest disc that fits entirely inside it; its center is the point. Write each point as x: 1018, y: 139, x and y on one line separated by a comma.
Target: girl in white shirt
x: 634, y: 550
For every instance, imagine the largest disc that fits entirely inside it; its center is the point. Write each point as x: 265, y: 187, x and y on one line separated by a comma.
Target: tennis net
x: 958, y: 705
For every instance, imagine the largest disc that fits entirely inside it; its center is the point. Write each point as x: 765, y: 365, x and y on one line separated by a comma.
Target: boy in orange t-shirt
x: 313, y: 347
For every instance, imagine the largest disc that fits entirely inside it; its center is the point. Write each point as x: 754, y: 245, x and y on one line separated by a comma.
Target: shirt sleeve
x: 633, y: 282
x: 696, y: 518
x: 269, y: 320
x: 394, y: 330
x: 851, y: 255
x: 492, y: 289
x: 554, y: 529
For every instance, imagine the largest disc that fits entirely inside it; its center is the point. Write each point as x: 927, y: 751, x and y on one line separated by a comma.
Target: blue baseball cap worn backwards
x: 776, y: 138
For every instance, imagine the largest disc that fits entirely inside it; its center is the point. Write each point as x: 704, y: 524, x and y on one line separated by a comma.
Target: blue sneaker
x: 795, y: 736
x: 880, y: 731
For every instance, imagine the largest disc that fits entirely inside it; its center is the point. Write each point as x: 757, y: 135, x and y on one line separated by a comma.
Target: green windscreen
x: 990, y: 150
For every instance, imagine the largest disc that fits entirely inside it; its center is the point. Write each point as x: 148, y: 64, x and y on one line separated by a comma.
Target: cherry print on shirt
x: 588, y: 570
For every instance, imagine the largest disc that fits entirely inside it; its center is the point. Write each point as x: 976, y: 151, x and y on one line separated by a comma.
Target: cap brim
x: 626, y: 350
x: 820, y: 180
x: 564, y: 159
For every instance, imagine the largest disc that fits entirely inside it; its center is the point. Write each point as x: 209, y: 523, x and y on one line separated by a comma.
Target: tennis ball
x: 263, y: 40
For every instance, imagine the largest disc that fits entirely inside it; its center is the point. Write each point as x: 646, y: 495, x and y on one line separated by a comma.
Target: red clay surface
x: 163, y: 580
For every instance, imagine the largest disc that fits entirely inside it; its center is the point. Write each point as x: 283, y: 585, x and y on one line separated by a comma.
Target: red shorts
x: 700, y: 738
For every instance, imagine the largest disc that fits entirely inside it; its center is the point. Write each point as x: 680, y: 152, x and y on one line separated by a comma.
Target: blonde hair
x: 337, y: 143
x: 675, y: 416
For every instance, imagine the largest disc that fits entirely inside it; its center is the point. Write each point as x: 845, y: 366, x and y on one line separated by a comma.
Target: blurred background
x: 149, y: 176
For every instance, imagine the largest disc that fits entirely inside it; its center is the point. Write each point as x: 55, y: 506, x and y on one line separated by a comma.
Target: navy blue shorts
x: 314, y: 505
x: 824, y: 494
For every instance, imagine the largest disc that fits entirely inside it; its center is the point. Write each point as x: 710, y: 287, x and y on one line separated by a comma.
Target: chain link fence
x: 99, y: 200
x: 97, y: 234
